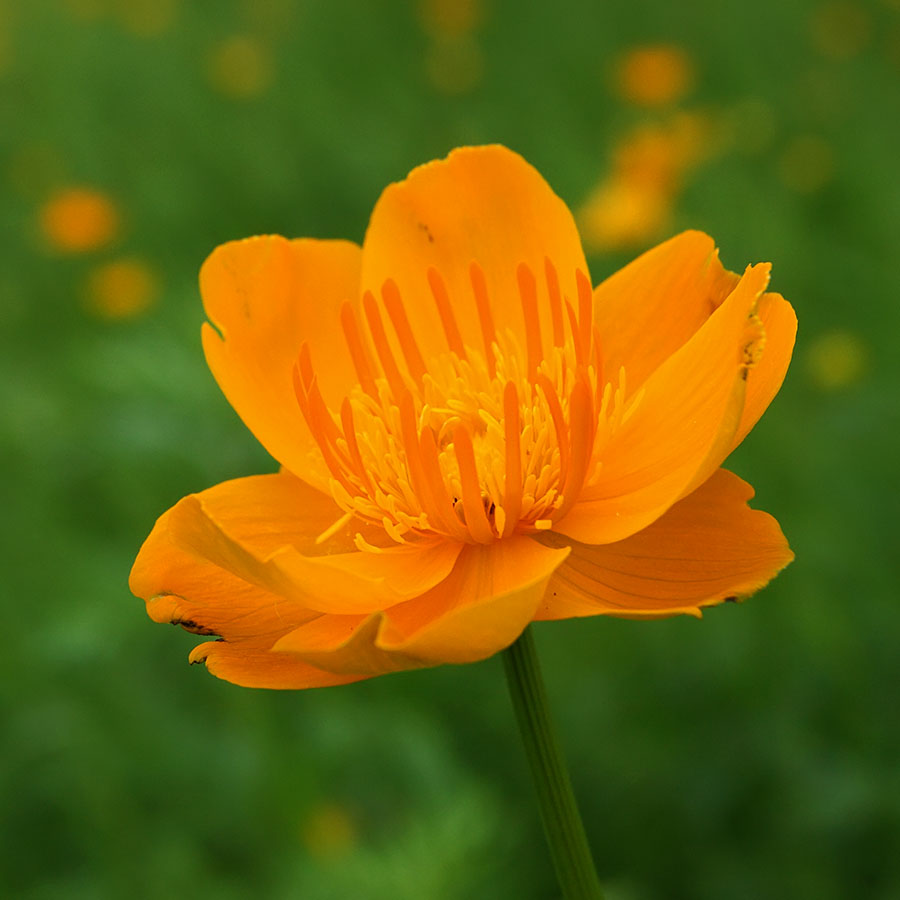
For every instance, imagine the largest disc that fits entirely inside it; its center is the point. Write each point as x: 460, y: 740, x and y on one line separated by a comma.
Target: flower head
x: 471, y: 436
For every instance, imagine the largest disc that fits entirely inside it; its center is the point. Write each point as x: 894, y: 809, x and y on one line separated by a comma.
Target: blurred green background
x: 753, y: 754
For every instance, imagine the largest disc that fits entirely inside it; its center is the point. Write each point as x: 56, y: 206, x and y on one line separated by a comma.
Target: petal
x: 266, y: 296
x: 482, y: 607
x: 707, y: 548
x: 681, y: 427
x: 649, y: 309
x: 764, y: 380
x: 263, y: 531
x: 263, y: 669
x: 483, y: 204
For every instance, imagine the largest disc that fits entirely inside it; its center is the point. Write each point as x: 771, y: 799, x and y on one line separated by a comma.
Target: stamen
x: 479, y: 288
x: 580, y: 431
x: 559, y: 424
x: 382, y: 347
x: 334, y: 528
x: 413, y: 457
x: 443, y: 505
x: 306, y: 369
x: 585, y: 311
x: 357, y: 350
x: 319, y: 429
x: 476, y: 517
x: 394, y: 305
x: 528, y: 296
x: 353, y: 446
x: 512, y: 489
x: 445, y: 311
x: 556, y: 313
x: 576, y: 335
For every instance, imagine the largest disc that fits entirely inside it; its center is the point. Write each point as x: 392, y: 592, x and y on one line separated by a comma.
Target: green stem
x: 562, y: 822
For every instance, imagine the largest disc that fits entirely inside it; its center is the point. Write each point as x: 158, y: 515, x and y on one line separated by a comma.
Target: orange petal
x: 257, y: 537
x: 482, y: 607
x: 681, y: 429
x: 219, y: 526
x: 707, y: 548
x: 345, y: 644
x: 649, y: 309
x: 263, y: 668
x: 482, y: 204
x: 266, y: 296
x: 764, y: 380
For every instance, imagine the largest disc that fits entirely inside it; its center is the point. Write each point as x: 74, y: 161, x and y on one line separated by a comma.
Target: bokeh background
x: 751, y: 754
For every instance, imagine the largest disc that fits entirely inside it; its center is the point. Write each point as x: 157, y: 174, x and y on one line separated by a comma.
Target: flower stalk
x: 563, y: 827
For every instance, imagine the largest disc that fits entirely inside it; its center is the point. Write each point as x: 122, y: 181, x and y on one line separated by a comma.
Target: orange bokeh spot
x: 121, y: 289
x: 654, y: 75
x: 78, y: 220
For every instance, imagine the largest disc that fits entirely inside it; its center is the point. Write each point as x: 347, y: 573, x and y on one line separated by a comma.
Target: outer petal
x: 649, y: 309
x: 708, y: 547
x: 681, y: 428
x: 264, y: 668
x: 263, y: 529
x: 480, y: 203
x: 187, y: 589
x: 266, y: 296
x: 482, y: 607
x: 764, y: 380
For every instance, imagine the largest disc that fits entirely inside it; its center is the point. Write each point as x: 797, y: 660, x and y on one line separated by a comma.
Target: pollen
x: 474, y: 443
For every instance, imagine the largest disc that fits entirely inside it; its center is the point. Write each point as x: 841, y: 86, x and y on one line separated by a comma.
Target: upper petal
x: 681, y: 427
x: 482, y: 204
x: 266, y: 296
x: 708, y: 547
x: 650, y: 308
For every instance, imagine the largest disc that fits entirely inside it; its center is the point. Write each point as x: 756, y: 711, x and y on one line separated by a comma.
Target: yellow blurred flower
x: 328, y: 831
x: 86, y: 10
x: 841, y: 29
x: 78, y: 220
x: 806, y: 164
x: 836, y: 359
x: 454, y: 65
x: 146, y: 18
x: 121, y: 289
x: 633, y: 203
x: 654, y: 75
x: 240, y: 67
x: 450, y: 18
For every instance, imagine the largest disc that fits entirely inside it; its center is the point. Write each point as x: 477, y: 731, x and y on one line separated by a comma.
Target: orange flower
x: 78, y: 220
x: 471, y: 438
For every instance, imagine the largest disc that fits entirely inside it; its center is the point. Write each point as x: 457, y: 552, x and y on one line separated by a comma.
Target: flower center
x: 482, y: 441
